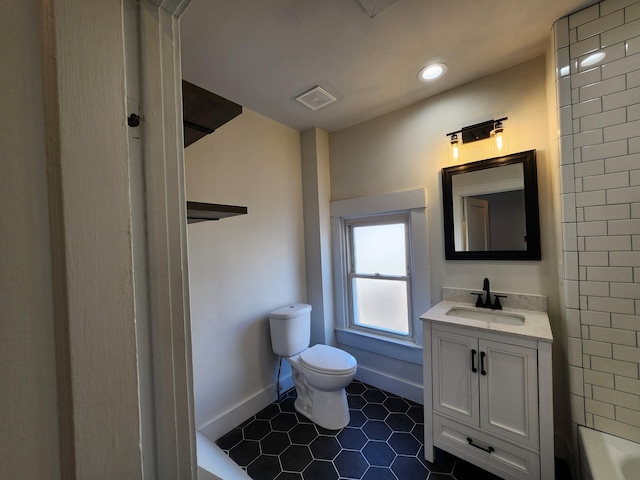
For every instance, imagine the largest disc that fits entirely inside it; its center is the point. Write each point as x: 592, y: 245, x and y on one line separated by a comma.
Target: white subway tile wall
x: 599, y: 147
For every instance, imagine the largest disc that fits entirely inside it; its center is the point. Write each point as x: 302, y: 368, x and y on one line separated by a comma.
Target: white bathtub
x: 605, y: 457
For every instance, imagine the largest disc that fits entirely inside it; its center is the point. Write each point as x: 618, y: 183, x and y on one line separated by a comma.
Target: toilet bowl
x: 320, y: 373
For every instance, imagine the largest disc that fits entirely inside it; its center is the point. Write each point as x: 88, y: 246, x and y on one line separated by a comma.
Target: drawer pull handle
x: 473, y: 361
x: 488, y: 450
x: 482, y: 370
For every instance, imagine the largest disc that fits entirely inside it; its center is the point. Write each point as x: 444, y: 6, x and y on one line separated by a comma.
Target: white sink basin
x: 495, y: 316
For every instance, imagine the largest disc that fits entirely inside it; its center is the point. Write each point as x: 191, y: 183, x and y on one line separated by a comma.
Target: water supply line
x: 278, y: 386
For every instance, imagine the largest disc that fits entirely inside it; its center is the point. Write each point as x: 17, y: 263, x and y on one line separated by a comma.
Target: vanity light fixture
x: 431, y: 72
x: 480, y: 131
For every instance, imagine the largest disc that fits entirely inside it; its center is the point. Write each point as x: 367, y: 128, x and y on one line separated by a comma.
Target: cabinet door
x: 455, y: 385
x: 509, y: 392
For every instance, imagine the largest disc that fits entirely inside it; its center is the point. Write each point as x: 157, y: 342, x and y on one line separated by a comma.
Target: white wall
x: 406, y: 149
x: 242, y: 267
x: 28, y: 423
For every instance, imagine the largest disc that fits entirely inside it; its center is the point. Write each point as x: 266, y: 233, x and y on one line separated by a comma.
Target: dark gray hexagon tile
x: 356, y: 402
x: 396, y: 404
x: 303, y: 433
x: 418, y: 432
x: 295, y: 458
x: 379, y: 473
x: 378, y: 453
x: 416, y: 413
x: 230, y: 440
x: 351, y: 464
x: 375, y: 411
x: 374, y: 396
x: 268, y: 412
x: 265, y: 467
x: 275, y: 443
x: 352, y: 438
x: 404, y: 443
x: 356, y: 387
x: 357, y: 418
x: 399, y: 422
x: 409, y: 468
x: 257, y: 430
x: 284, y: 422
x: 287, y: 405
x: 320, y: 470
x: 245, y: 452
x: 325, y: 448
x: 376, y: 430
x: 289, y: 476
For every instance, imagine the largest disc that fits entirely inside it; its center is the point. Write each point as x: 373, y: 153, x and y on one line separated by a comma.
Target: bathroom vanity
x: 488, y: 386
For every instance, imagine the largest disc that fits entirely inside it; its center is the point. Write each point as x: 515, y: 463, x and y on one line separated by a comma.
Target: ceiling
x: 263, y: 53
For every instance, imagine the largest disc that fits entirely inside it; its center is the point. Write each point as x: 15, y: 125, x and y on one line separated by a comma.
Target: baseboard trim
x: 233, y: 417
x: 396, y: 386
x: 244, y: 410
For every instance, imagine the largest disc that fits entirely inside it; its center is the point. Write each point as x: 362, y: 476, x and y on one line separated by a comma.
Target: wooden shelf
x: 204, y: 111
x: 202, y: 212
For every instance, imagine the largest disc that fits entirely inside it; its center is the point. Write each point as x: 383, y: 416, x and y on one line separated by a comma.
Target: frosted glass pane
x: 381, y: 304
x: 380, y: 249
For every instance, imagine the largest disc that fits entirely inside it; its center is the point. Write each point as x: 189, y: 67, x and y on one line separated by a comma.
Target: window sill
x: 389, y: 347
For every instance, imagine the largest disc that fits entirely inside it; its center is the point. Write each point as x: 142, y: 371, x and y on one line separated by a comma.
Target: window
x: 378, y: 278
x: 381, y: 272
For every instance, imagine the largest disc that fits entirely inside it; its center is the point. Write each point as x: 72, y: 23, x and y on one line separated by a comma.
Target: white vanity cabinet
x: 488, y: 395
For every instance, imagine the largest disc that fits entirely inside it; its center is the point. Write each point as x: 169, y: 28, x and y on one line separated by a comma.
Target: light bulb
x: 497, y: 134
x: 455, y: 147
x: 498, y: 138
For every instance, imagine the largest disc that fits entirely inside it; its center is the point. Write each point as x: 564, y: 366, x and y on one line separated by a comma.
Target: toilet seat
x: 327, y: 360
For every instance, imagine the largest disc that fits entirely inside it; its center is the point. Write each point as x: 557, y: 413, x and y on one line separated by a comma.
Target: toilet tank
x: 290, y: 329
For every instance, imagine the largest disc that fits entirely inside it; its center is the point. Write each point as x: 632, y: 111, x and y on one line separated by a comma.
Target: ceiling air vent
x: 316, y: 98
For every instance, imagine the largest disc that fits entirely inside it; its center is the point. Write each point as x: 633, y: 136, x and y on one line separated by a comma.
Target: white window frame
x: 377, y: 220
x: 412, y: 203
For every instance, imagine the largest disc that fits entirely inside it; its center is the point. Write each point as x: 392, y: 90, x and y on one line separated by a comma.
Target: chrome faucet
x: 487, y: 303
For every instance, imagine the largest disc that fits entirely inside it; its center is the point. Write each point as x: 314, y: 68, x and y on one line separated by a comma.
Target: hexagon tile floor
x: 383, y: 441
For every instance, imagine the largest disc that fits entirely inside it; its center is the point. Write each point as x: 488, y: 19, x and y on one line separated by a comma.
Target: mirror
x: 491, y: 209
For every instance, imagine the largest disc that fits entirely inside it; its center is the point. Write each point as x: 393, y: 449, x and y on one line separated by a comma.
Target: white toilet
x: 320, y: 373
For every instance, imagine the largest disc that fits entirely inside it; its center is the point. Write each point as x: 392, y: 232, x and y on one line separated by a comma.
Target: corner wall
x: 406, y: 149
x: 243, y: 267
x: 599, y: 140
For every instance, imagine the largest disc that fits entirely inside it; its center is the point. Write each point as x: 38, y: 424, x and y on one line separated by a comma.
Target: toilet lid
x: 326, y: 359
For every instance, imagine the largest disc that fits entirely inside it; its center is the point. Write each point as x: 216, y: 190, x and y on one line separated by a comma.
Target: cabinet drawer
x: 488, y: 452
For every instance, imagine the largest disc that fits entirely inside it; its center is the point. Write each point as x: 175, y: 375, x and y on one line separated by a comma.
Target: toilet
x: 320, y: 373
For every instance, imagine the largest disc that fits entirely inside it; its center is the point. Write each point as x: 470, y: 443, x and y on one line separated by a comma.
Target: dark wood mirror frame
x: 528, y: 161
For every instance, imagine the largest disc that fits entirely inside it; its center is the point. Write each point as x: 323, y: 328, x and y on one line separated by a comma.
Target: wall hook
x: 133, y: 120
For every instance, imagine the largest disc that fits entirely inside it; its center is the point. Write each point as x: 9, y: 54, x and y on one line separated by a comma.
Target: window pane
x: 381, y: 304
x: 380, y: 249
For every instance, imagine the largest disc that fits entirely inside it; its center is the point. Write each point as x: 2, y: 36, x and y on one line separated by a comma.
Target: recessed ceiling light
x: 593, y: 59
x: 431, y: 72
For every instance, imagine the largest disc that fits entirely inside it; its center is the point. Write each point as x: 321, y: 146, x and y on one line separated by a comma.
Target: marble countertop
x: 536, y: 323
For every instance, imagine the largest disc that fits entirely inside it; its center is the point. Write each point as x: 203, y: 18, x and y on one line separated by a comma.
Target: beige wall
x: 242, y: 267
x: 406, y: 149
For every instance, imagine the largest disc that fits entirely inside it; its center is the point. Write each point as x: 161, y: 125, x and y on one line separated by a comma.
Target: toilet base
x: 329, y: 410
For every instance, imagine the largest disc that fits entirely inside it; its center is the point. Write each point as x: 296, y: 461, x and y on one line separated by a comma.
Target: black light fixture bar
x: 479, y: 131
